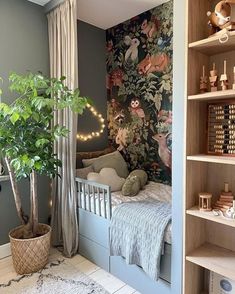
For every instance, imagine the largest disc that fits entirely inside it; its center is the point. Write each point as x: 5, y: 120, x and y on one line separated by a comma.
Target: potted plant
x: 27, y: 136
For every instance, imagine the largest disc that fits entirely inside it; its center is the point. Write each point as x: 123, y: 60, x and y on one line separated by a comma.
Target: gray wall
x: 23, y: 46
x: 91, y: 75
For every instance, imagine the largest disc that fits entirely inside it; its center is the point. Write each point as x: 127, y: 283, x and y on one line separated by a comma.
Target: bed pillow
x: 113, y: 160
x: 107, y: 176
x: 83, y: 172
x: 142, y: 175
x: 132, y: 186
x: 88, y: 157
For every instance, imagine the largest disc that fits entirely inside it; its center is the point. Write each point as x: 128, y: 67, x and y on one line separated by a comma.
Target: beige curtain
x: 62, y: 27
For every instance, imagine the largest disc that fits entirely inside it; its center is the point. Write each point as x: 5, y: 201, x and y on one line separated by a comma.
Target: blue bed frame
x: 94, y: 241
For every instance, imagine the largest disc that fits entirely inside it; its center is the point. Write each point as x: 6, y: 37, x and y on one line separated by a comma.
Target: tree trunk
x: 34, y: 203
x: 16, y: 193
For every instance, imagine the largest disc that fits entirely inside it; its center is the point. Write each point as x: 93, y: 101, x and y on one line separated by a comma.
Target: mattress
x: 151, y: 190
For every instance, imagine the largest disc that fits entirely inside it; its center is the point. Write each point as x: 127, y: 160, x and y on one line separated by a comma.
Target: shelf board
x: 4, y: 178
x: 214, y: 258
x: 212, y: 45
x: 212, y: 158
x: 228, y: 94
x: 194, y: 211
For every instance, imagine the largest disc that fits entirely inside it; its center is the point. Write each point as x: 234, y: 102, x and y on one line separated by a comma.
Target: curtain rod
x: 52, y: 5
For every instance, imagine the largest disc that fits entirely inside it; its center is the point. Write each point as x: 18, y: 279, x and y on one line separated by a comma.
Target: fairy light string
x: 90, y: 136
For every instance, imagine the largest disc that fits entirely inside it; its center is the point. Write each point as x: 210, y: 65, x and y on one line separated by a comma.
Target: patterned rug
x: 57, y: 277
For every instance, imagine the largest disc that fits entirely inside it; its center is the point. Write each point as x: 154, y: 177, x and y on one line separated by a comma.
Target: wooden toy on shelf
x: 203, y: 81
x: 224, y: 78
x: 213, y: 79
x: 234, y: 78
x: 222, y: 19
x: 205, y: 201
x: 226, y: 199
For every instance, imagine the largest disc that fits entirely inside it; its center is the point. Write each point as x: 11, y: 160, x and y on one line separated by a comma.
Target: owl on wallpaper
x: 136, y: 109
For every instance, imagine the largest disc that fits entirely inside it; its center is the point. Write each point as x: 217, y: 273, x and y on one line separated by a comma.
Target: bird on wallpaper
x: 132, y: 51
x: 136, y: 109
x: 163, y: 150
x: 162, y: 43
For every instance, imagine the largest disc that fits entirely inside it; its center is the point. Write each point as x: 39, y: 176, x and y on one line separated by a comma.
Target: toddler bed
x: 96, y: 204
x: 104, y: 202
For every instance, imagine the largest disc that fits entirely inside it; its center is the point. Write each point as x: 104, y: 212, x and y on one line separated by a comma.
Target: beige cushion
x: 83, y: 172
x: 109, y: 177
x: 113, y: 160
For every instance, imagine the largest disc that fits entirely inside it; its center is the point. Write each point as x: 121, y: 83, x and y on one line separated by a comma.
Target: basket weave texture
x: 30, y: 255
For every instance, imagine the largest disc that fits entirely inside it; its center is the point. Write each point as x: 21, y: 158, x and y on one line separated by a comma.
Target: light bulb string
x: 89, y: 136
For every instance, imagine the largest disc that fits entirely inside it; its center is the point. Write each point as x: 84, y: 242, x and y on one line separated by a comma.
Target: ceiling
x: 40, y: 2
x: 108, y: 13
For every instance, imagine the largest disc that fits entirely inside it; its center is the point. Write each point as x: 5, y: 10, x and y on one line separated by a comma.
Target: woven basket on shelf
x: 30, y: 255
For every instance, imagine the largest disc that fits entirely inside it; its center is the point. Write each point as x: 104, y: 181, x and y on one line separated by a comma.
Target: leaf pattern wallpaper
x: 139, y: 87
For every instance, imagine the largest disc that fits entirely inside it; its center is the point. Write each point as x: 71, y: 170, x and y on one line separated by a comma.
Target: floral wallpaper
x: 139, y: 86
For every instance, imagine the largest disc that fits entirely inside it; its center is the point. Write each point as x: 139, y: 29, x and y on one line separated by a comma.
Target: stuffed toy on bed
x: 136, y: 180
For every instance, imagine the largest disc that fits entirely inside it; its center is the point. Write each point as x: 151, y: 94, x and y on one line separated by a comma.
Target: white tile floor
x: 109, y: 282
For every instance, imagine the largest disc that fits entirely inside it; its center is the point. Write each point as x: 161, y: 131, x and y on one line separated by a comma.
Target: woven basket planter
x: 30, y: 255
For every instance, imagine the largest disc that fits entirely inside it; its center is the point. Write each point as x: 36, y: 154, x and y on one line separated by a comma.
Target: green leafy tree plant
x: 27, y: 135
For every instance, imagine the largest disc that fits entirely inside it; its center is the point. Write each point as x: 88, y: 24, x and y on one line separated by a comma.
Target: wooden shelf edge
x: 4, y: 178
x: 212, y: 45
x: 214, y: 258
x: 212, y: 159
x: 194, y: 211
x: 229, y: 94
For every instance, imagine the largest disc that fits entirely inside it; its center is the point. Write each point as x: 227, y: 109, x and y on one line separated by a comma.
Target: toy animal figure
x: 220, y: 18
x: 149, y: 28
x: 165, y: 116
x: 136, y: 109
x: 153, y: 63
x: 132, y: 51
x: 163, y: 151
x: 121, y: 138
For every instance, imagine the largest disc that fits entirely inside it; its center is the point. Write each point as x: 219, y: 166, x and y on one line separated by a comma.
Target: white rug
x: 57, y: 277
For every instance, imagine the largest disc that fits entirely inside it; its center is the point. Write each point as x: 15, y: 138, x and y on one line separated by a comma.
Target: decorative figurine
x: 213, y: 79
x: 225, y: 201
x: 222, y: 19
x: 230, y: 213
x: 205, y: 201
x: 203, y: 81
x: 234, y: 78
x: 224, y: 78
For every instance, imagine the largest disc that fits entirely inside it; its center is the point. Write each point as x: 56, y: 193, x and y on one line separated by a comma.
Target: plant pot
x: 30, y: 255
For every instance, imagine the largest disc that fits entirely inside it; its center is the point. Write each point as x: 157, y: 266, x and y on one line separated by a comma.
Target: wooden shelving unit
x: 212, y: 45
x: 209, y: 240
x: 194, y: 211
x: 214, y: 258
x: 229, y: 94
x: 212, y: 158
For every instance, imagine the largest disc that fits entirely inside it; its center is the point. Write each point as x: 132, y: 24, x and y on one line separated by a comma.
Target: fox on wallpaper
x: 139, y: 86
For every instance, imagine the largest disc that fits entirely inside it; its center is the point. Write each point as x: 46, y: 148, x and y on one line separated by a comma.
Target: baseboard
x: 5, y: 250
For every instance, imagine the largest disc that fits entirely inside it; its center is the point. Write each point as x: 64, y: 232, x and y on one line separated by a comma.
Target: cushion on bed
x: 142, y: 175
x: 91, y: 154
x: 132, y: 186
x: 83, y: 172
x: 113, y: 160
x: 107, y: 176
